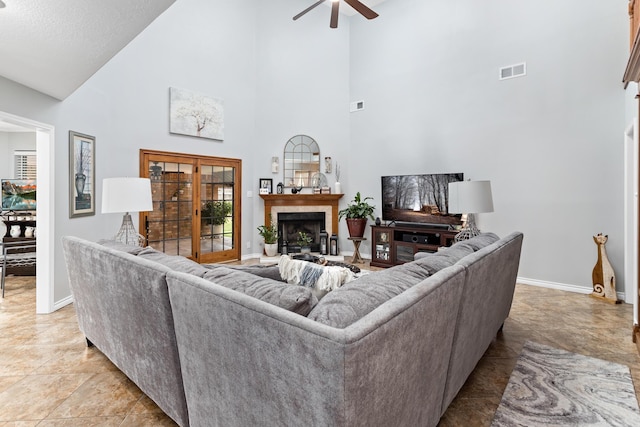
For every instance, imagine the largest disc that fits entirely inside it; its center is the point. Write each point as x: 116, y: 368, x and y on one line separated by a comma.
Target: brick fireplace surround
x: 327, y: 203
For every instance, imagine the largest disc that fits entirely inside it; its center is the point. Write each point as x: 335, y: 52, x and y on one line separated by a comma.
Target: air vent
x: 356, y: 106
x: 517, y: 70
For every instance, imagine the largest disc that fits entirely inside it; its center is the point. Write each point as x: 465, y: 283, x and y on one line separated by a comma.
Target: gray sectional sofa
x: 223, y: 346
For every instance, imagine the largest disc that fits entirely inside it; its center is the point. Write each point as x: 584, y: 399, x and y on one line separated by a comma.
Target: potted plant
x: 357, y: 213
x: 215, y: 212
x: 304, y: 240
x: 270, y: 235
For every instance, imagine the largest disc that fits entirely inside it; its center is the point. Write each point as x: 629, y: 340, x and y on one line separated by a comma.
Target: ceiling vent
x: 517, y: 70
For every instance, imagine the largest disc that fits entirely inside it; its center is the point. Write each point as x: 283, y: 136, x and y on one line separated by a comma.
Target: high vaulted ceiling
x: 55, y: 46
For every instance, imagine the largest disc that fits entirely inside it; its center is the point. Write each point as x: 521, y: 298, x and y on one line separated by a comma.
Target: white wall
x: 9, y: 143
x: 208, y: 47
x: 549, y: 142
x: 303, y: 88
x: 427, y: 71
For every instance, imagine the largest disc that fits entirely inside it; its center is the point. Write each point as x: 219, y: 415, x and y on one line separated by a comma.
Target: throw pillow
x: 293, y: 298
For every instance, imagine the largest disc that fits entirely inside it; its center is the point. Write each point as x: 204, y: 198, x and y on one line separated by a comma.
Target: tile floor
x: 48, y: 377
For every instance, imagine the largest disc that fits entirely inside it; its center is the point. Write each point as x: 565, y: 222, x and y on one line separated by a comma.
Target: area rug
x: 552, y: 387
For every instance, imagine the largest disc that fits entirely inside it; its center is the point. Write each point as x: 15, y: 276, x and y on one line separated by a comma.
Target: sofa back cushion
x: 297, y: 299
x: 345, y: 305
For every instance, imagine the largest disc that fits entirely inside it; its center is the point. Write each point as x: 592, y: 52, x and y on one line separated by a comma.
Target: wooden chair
x: 16, y: 255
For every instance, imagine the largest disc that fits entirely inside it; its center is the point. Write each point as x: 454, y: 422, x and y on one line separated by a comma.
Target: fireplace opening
x: 291, y: 223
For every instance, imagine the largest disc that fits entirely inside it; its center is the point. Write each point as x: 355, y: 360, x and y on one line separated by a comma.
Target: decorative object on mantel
x: 280, y: 188
x: 357, y: 212
x: 327, y: 165
x: 470, y: 197
x: 266, y: 185
x: 270, y: 235
x: 301, y: 161
x: 335, y: 7
x: 196, y: 114
x: 275, y: 163
x: 604, y: 278
x: 338, y: 186
x: 127, y: 195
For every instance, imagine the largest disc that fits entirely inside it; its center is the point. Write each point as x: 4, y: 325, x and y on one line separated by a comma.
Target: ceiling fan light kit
x: 335, y: 8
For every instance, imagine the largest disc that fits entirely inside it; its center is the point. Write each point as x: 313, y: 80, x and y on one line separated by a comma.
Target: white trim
x: 45, y: 147
x: 63, y: 303
x: 631, y: 152
x: 560, y: 286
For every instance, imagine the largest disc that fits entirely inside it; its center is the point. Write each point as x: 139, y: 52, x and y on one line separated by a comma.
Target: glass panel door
x: 196, y: 206
x: 170, y: 225
x: 217, y: 197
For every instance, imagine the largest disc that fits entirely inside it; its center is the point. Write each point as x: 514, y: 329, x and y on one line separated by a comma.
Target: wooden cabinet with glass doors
x: 196, y: 205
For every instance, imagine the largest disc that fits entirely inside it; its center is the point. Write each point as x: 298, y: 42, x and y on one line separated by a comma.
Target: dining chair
x: 16, y: 254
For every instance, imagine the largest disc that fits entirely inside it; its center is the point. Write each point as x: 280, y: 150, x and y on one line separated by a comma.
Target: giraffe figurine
x: 604, y: 278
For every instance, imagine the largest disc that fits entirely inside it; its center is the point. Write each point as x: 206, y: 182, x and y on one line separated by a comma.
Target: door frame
x: 197, y: 160
x: 45, y: 176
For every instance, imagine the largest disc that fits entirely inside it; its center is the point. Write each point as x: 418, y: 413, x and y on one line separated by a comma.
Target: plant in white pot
x: 356, y: 214
x: 304, y: 240
x: 270, y: 235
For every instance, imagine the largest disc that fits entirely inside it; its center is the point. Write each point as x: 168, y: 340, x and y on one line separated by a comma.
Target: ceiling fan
x: 356, y: 4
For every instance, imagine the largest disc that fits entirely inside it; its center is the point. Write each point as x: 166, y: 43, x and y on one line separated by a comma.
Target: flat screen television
x: 419, y: 199
x: 19, y: 194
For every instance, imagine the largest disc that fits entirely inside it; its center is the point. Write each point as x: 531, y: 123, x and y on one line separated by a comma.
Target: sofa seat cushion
x: 174, y: 262
x: 297, y: 299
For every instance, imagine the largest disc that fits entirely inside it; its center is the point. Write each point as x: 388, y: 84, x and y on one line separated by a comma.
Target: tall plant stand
x: 357, y: 258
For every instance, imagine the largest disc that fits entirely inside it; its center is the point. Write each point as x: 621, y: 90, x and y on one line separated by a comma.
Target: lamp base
x: 128, y: 234
x: 469, y: 230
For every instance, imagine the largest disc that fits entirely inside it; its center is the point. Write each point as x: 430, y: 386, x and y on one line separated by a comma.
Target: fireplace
x: 324, y: 204
x: 291, y: 223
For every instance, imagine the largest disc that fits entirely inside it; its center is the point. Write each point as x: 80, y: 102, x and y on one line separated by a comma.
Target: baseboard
x: 561, y: 286
x: 62, y: 303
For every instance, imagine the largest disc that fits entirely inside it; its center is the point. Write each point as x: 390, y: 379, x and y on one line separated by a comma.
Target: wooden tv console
x: 397, y: 244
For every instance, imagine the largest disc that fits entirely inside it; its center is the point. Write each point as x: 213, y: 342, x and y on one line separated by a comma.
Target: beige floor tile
x: 48, y: 376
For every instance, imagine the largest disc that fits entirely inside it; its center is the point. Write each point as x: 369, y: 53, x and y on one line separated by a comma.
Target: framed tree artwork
x: 82, y: 186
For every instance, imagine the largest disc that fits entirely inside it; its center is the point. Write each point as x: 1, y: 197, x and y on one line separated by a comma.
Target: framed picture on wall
x: 82, y: 186
x: 266, y: 186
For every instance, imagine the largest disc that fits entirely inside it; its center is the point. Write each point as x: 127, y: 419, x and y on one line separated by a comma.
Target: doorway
x: 196, y: 205
x: 44, y: 210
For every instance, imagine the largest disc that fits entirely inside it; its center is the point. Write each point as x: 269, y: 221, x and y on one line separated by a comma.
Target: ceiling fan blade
x: 313, y: 6
x: 362, y: 9
x: 334, y: 14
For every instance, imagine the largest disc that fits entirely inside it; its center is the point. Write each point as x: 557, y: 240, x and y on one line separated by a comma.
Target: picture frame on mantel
x: 82, y: 185
x: 266, y: 186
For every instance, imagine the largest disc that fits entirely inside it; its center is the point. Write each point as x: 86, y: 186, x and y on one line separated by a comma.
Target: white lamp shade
x: 470, y: 197
x: 126, y: 195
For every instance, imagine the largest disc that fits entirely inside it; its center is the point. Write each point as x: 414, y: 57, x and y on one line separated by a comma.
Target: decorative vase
x: 305, y: 249
x: 338, y: 188
x: 356, y: 226
x: 28, y: 232
x: 15, y: 231
x: 80, y: 180
x: 271, y: 249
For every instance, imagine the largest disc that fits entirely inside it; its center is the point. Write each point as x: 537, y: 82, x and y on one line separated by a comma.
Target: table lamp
x: 470, y: 197
x: 127, y: 195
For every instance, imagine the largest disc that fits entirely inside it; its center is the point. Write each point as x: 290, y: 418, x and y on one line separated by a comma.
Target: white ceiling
x: 54, y: 46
